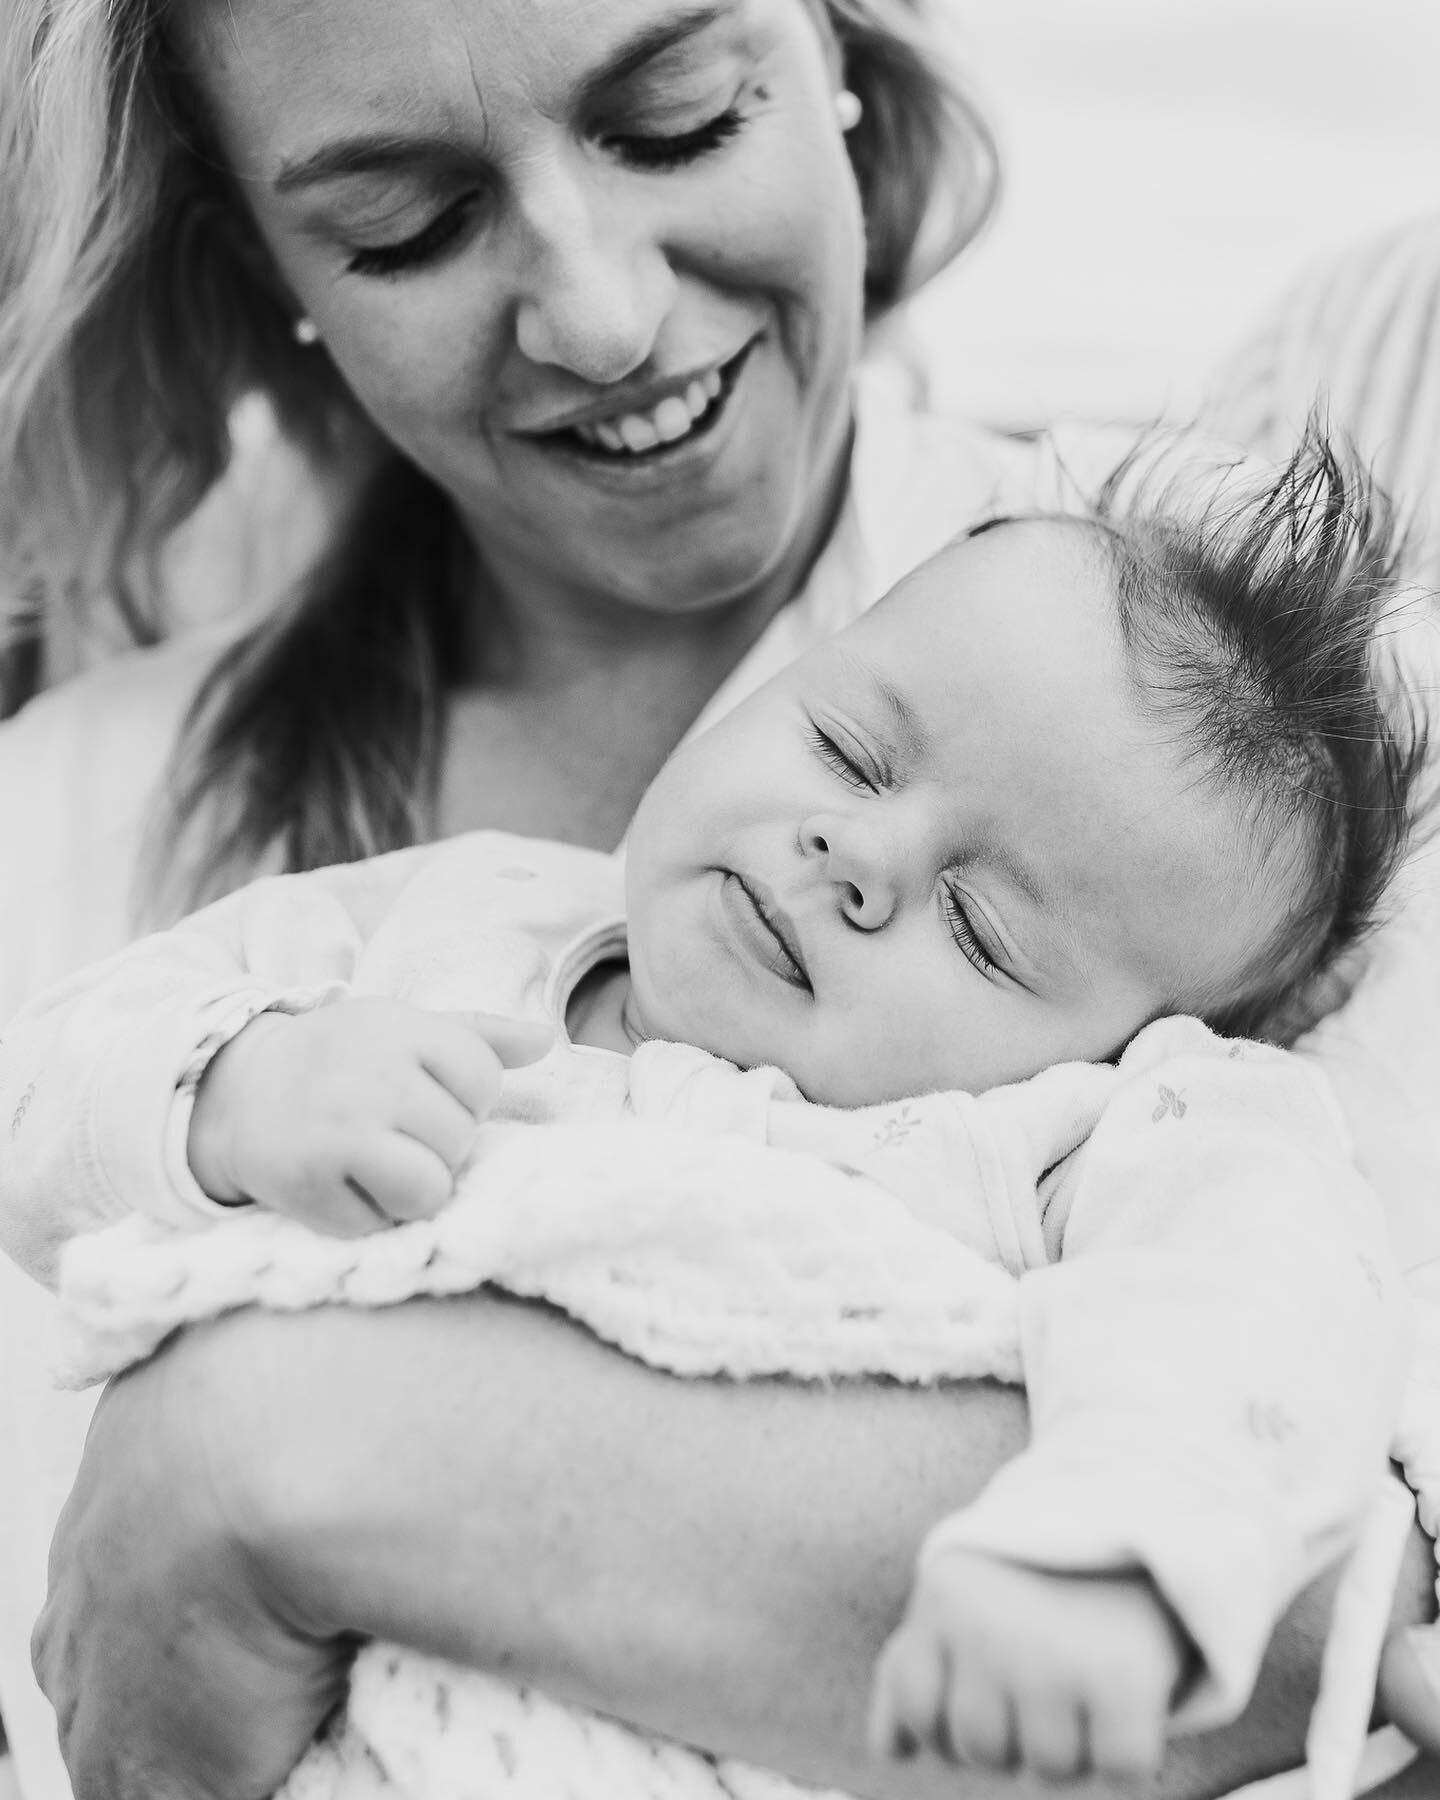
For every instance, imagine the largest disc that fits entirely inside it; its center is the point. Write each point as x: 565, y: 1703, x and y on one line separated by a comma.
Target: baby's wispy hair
x: 1256, y: 619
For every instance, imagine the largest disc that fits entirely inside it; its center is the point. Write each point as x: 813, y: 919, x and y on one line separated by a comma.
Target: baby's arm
x: 96, y: 1074
x: 1214, y: 1372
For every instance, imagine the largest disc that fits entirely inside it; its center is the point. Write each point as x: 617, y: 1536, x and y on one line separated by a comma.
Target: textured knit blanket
x: 697, y: 1255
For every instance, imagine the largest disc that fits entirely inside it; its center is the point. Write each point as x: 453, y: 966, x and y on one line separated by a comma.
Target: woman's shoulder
x: 80, y: 766
x: 919, y: 475
x: 108, y: 723
x: 1359, y: 334
x: 1355, y: 322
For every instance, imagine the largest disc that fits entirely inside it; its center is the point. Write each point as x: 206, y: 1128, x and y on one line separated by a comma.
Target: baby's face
x: 945, y: 849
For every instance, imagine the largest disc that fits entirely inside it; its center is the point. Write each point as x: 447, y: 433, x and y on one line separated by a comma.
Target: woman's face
x: 595, y: 265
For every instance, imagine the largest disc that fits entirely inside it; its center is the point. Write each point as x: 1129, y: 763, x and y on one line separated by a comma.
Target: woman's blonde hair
x: 138, y: 305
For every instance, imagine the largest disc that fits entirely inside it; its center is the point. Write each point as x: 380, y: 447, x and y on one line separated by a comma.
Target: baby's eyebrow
x: 1057, y: 927
x: 913, y: 739
x: 1020, y: 874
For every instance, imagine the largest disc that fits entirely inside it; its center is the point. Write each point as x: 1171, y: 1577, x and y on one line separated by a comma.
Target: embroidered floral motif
x: 1170, y: 1102
x: 17, y: 1118
x: 1268, y: 1422
x: 896, y: 1127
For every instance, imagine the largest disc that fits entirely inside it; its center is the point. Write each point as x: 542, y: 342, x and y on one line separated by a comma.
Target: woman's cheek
x: 413, y: 366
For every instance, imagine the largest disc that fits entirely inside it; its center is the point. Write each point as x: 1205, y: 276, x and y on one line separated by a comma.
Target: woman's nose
x: 856, y: 860
x: 596, y: 287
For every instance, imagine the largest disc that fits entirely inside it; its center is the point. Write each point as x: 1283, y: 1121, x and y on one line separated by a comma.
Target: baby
x: 1072, y: 776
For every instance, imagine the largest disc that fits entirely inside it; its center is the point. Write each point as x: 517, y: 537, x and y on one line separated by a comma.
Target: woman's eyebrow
x: 651, y: 41
x: 371, y: 153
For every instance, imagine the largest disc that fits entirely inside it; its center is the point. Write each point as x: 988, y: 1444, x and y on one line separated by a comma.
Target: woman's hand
x: 481, y: 1480
x: 1409, y: 1688
x: 171, y: 1667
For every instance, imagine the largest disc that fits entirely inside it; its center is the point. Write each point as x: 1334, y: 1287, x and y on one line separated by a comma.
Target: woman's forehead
x: 278, y: 74
x: 490, y: 44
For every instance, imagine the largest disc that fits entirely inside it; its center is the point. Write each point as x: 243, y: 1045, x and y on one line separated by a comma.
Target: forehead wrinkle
x: 469, y: 57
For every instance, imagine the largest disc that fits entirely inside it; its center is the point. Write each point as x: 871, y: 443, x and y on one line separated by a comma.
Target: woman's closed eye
x: 661, y: 151
x: 642, y: 150
x: 422, y: 247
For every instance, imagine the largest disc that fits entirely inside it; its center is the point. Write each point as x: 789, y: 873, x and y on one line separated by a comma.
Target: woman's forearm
x: 716, y: 1561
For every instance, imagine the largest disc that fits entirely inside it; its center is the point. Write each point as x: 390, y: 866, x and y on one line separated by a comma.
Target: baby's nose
x: 855, y: 864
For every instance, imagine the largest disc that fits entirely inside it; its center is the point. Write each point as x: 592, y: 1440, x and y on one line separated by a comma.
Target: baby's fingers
x: 907, y: 1699
x: 431, y: 1114
x: 468, y: 1053
x: 1127, y: 1740
x: 396, y: 1178
x: 1053, y: 1737
x: 979, y: 1719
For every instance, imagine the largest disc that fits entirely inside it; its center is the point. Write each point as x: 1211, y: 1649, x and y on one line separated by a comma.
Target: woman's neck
x: 549, y: 634
x: 573, y: 700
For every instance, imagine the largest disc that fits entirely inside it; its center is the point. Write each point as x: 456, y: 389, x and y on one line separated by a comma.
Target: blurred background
x: 1170, y: 166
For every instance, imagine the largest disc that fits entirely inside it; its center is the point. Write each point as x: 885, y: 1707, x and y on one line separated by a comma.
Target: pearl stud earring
x: 849, y: 109
x: 306, y: 331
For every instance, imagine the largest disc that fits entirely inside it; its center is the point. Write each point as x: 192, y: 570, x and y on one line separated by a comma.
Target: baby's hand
x: 1007, y: 1666
x: 354, y: 1116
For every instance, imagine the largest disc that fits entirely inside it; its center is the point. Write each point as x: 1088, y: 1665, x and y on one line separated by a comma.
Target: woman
x: 562, y: 302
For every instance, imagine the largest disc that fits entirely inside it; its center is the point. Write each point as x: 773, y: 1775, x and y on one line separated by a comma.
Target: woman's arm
x: 480, y: 1479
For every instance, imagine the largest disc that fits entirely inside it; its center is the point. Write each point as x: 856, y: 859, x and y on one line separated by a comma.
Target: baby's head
x: 1070, y: 775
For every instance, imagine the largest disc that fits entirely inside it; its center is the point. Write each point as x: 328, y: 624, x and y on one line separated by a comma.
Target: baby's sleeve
x: 97, y: 1074
x: 1215, y: 1364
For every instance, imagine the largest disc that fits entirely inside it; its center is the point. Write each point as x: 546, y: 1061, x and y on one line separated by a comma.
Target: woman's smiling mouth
x: 665, y: 423
x: 762, y: 929
x: 645, y: 434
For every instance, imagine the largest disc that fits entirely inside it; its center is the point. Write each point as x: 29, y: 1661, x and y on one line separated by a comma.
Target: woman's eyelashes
x: 645, y: 151
x: 427, y: 245
x: 648, y: 152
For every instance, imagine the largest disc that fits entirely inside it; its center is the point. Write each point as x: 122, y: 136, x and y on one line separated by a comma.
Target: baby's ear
x: 1408, y: 1688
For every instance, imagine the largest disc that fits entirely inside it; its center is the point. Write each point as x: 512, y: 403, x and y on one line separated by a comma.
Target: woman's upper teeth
x: 664, y: 423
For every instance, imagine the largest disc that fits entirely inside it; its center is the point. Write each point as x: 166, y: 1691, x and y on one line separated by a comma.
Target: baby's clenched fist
x: 1008, y: 1666
x: 354, y: 1116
